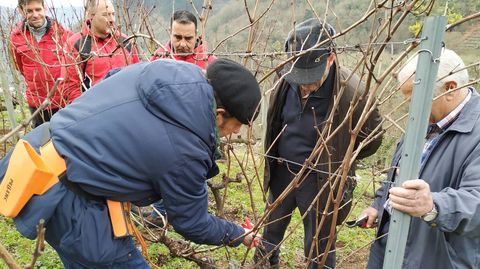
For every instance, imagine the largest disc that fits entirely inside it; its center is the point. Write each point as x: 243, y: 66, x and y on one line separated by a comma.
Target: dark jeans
x: 377, y: 250
x: 42, y: 116
x: 300, y: 197
x: 133, y: 260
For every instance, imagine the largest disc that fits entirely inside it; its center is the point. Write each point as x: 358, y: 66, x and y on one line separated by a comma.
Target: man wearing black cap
x: 299, y: 106
x: 148, y: 131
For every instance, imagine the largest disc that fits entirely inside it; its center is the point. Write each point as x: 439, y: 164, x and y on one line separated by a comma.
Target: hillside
x: 228, y: 16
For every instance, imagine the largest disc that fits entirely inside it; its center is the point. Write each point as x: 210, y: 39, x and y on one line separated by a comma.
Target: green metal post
x: 420, y: 106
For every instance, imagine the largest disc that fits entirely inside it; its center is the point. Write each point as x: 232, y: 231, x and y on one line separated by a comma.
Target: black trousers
x: 42, y: 116
x: 300, y: 197
x: 377, y: 250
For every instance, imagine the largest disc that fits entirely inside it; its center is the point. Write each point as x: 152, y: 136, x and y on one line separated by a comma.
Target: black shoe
x: 263, y: 262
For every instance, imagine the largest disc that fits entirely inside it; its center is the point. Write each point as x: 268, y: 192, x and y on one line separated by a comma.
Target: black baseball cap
x: 310, y: 67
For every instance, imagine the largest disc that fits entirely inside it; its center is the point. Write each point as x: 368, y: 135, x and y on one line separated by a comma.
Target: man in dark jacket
x: 184, y: 44
x: 301, y: 110
x: 445, y: 202
x: 36, y: 48
x: 149, y: 131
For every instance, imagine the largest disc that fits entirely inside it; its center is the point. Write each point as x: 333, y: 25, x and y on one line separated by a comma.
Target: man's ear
x: 332, y: 57
x: 220, y: 112
x: 88, y: 16
x: 449, y: 86
x: 330, y: 60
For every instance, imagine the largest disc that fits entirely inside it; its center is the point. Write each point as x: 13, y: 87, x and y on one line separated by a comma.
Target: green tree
x: 439, y: 9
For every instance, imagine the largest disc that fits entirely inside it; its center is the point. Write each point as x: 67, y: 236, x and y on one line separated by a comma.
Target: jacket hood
x: 178, y: 93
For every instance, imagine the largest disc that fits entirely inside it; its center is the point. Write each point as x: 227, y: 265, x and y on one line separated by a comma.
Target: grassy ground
x: 352, y: 243
x: 22, y: 248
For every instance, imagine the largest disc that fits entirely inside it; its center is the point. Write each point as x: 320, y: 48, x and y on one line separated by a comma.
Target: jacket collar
x: 468, y: 116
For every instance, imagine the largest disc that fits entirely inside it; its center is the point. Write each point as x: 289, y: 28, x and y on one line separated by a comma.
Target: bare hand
x: 251, y: 240
x: 413, y: 198
x: 372, y: 215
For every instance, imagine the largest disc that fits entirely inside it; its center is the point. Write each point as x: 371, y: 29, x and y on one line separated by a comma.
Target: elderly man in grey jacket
x: 445, y: 201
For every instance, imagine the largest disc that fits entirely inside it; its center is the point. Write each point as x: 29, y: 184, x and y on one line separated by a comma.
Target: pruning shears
x: 361, y: 222
x: 247, y: 224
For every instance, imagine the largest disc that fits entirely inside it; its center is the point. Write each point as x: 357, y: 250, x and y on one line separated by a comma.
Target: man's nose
x: 183, y: 42
x: 111, y: 18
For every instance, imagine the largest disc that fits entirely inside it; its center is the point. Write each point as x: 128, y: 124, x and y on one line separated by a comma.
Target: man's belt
x: 31, y: 174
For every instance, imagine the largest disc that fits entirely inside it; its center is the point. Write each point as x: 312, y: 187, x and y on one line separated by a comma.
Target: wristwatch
x: 432, y: 215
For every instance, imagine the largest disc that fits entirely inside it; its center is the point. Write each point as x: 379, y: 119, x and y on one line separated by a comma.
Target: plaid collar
x: 452, y: 116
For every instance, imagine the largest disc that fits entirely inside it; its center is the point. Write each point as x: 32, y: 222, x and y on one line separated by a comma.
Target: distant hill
x: 164, y: 9
x: 229, y: 16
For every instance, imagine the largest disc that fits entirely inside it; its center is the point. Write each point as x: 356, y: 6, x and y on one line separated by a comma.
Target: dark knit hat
x: 309, y: 67
x: 236, y: 88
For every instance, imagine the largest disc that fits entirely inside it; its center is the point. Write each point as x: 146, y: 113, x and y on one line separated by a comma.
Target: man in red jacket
x: 36, y: 49
x: 97, y: 49
x: 184, y: 44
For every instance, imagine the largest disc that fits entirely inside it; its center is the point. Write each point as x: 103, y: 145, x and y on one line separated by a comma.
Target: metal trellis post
x: 420, y: 106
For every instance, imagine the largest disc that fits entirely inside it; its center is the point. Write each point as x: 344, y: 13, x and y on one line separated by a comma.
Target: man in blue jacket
x: 445, y: 202
x: 147, y: 132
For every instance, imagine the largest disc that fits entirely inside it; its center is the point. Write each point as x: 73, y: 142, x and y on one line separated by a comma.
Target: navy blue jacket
x: 146, y: 132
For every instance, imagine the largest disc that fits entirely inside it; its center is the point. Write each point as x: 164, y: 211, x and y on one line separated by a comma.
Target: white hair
x: 449, y: 63
x: 92, y: 5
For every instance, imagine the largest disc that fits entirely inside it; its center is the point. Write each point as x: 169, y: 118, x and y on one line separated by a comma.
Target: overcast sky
x: 55, y: 3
